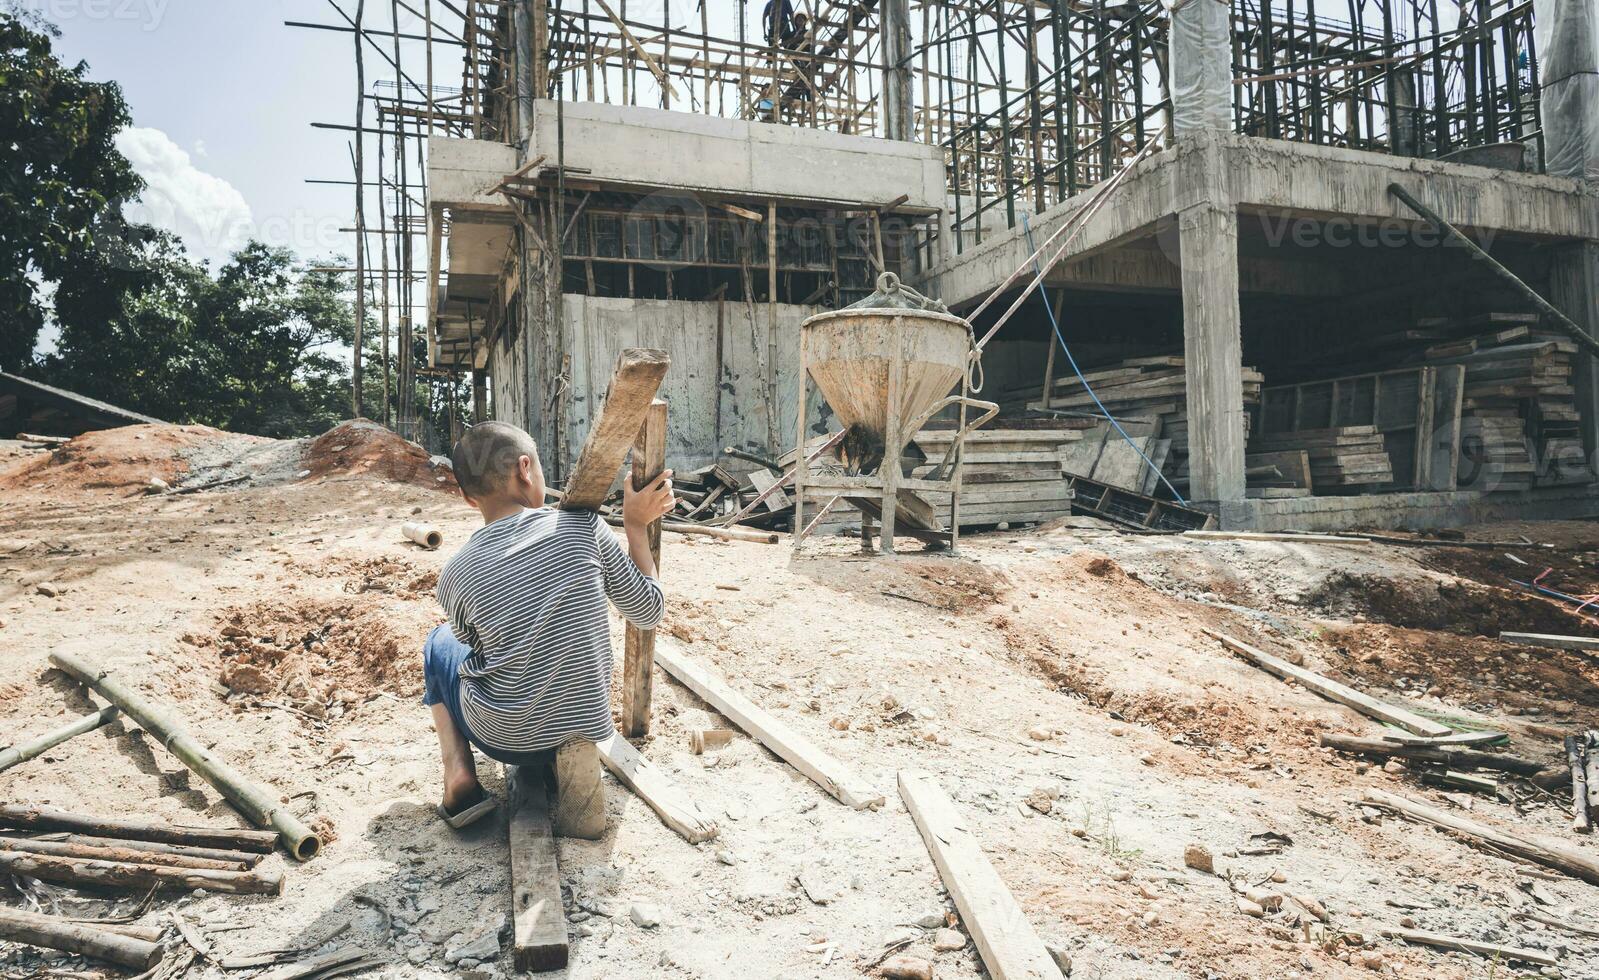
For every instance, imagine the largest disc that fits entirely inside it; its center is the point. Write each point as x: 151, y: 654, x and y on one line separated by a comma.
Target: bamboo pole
x: 33, y: 748
x: 113, y: 853
x: 118, y: 874
x: 246, y: 858
x: 254, y: 801
x: 150, y: 934
x: 49, y: 818
x: 73, y: 937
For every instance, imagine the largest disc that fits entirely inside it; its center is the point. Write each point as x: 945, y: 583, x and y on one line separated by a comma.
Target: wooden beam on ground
x: 1010, y: 948
x: 1582, y: 644
x: 1447, y: 741
x: 638, y: 663
x: 637, y: 378
x: 1419, y: 937
x: 1581, y: 750
x: 827, y: 772
x: 1460, y: 758
x: 1550, y: 854
x: 657, y: 790
x: 1276, y: 536
x: 538, y: 920
x: 1332, y: 690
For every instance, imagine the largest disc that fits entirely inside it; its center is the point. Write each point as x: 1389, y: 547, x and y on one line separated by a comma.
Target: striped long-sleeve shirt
x: 527, y: 593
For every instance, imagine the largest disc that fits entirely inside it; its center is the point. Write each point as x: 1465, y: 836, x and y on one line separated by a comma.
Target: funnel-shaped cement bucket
x: 850, y: 352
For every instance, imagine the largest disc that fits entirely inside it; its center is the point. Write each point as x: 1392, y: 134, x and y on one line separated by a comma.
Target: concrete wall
x: 657, y: 149
x: 599, y: 327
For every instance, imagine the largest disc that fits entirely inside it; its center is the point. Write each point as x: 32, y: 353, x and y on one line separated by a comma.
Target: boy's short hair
x: 486, y: 457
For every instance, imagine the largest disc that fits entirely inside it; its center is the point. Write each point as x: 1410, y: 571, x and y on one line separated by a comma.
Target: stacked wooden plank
x: 1519, y: 421
x: 1346, y: 456
x: 1152, y: 391
x: 1010, y: 474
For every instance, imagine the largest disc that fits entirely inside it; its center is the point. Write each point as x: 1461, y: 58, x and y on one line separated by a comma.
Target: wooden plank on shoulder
x: 638, y: 375
x: 638, y: 660
x: 792, y: 747
x: 1007, y: 942
x: 1332, y: 690
x: 675, y: 808
x: 537, y: 919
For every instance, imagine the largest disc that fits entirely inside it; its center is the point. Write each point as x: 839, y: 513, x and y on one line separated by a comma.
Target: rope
x: 1028, y: 228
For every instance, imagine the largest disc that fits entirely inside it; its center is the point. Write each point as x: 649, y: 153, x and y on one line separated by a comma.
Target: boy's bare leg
x: 461, y: 788
x: 579, y: 793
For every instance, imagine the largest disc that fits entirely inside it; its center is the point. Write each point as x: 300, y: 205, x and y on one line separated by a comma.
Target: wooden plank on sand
x: 1568, y: 860
x: 656, y: 789
x: 537, y: 919
x: 1007, y: 942
x: 1332, y: 690
x: 1552, y: 640
x: 798, y: 751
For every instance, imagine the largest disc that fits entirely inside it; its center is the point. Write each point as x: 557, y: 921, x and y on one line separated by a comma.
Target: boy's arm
x: 630, y: 581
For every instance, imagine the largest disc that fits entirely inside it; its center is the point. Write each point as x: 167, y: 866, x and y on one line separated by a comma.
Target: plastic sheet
x: 1201, y: 66
x: 1567, y: 35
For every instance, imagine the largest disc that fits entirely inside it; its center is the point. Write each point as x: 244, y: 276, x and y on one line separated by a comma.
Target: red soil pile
x: 364, y: 448
x: 114, y: 460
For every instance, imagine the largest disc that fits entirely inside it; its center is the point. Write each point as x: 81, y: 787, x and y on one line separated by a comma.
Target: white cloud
x: 207, y: 212
x: 200, y: 150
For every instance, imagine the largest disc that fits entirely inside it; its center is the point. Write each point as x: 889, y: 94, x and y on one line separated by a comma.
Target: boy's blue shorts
x: 442, y: 657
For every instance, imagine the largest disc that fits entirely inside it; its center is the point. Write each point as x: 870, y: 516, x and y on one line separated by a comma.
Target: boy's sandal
x: 470, y: 815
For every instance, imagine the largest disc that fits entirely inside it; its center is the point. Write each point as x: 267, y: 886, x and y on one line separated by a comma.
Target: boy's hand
x: 641, y: 507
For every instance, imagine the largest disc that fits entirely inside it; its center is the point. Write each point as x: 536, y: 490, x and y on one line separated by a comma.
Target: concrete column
x: 1402, y: 131
x: 899, y: 105
x: 1201, y: 67
x: 1213, y: 351
x: 1567, y: 34
x: 1574, y: 291
x: 528, y: 30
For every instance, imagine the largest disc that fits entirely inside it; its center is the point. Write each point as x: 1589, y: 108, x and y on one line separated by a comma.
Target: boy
x: 522, y: 668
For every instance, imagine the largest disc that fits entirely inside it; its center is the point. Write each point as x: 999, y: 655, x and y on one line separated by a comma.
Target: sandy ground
x: 285, y: 621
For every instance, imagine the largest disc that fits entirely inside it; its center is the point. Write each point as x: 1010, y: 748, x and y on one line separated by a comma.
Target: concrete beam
x: 1213, y: 353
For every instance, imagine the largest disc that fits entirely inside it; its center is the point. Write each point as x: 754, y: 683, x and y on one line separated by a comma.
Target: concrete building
x: 1229, y: 247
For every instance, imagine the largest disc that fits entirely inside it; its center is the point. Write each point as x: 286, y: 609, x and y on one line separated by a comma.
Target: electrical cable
x: 1027, y: 227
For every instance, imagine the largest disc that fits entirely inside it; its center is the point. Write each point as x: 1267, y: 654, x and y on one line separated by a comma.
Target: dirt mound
x: 365, y: 448
x: 1451, y: 605
x: 119, y: 461
x: 318, y: 654
x: 398, y: 578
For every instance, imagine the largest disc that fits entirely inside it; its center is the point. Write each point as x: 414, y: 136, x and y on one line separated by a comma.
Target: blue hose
x: 1028, y: 228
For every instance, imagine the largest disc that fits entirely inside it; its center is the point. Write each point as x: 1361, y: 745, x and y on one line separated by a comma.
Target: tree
x: 253, y: 348
x: 62, y: 181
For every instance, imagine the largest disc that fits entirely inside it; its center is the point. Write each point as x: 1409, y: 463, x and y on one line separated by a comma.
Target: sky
x: 222, y: 95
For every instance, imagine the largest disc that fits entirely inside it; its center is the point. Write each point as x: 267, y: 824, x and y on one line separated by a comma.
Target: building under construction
x: 1243, y: 221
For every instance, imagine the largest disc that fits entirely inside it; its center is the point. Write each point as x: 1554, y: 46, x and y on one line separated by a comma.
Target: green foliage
x: 251, y: 349
x: 62, y: 180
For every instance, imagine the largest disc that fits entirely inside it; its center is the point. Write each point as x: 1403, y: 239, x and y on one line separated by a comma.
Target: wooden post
x: 538, y: 921
x: 638, y: 665
x: 76, y: 937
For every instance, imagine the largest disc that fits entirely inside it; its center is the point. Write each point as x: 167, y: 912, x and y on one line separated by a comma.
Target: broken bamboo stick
x: 1550, y: 854
x: 74, y: 937
x: 118, y: 874
x: 1461, y: 758
x: 114, y: 853
x: 256, y: 802
x: 247, y: 858
x: 150, y: 934
x: 426, y: 535
x: 35, y: 747
x: 49, y: 818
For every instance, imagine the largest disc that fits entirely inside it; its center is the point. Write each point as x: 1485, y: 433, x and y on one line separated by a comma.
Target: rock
x: 157, y: 485
x: 1040, y: 734
x: 1250, y: 908
x: 726, y: 857
x: 1315, y: 908
x: 482, y: 947
x: 933, y: 920
x: 1063, y: 959
x: 1269, y: 900
x: 820, y: 886
x: 1368, y: 959
x: 419, y: 955
x: 948, y: 939
x: 1393, y: 765
x: 1151, y: 917
x: 1197, y: 856
x: 645, y: 915
x: 1122, y: 876
x: 50, y: 589
x: 908, y: 968
x: 903, y: 935
x: 1278, y: 877
x: 1040, y: 801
